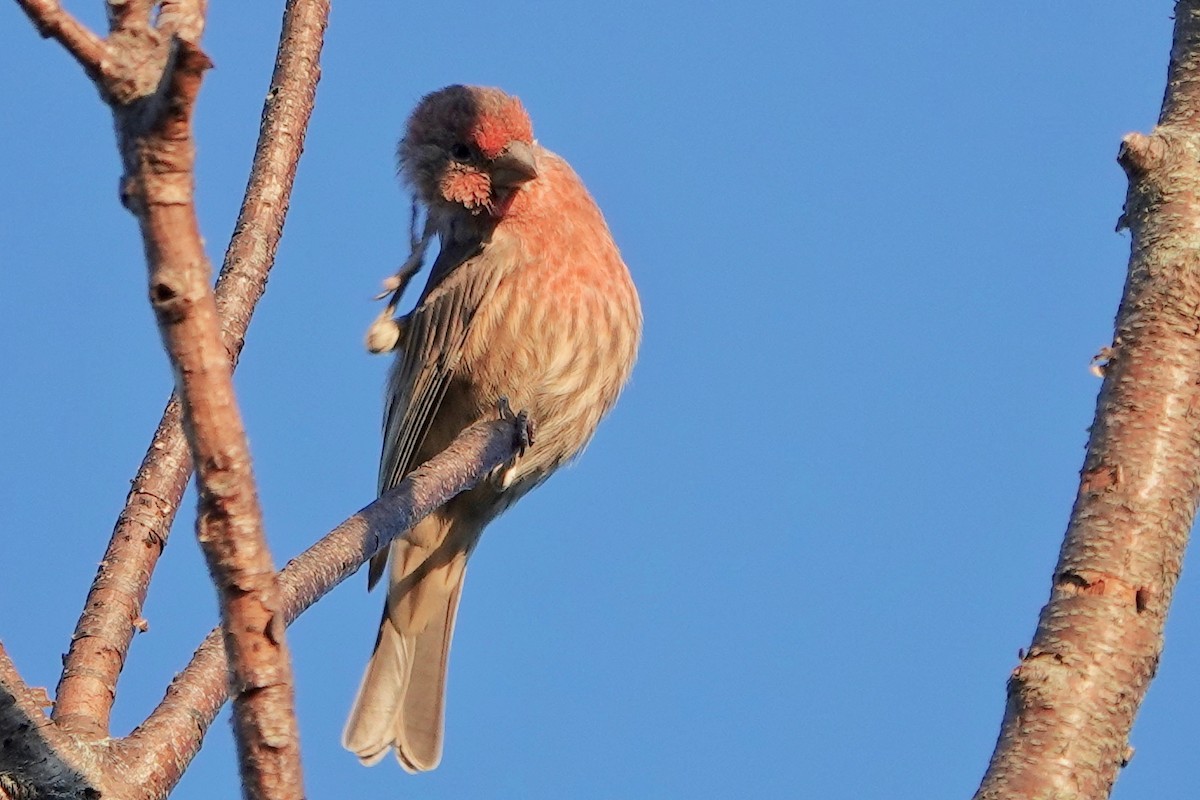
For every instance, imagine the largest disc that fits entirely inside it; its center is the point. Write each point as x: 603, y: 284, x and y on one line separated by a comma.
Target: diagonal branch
x: 113, y: 609
x: 112, y: 612
x: 1073, y: 698
x: 53, y: 22
x: 286, y: 113
x: 156, y: 754
x: 149, y: 762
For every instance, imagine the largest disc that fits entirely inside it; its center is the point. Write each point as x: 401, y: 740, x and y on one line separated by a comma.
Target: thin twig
x: 100, y: 644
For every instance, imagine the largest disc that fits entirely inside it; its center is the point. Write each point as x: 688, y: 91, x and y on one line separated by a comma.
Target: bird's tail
x: 401, y: 701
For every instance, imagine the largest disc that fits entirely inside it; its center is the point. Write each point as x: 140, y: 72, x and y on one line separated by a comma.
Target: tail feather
x: 419, y: 728
x: 401, y: 701
x: 376, y: 710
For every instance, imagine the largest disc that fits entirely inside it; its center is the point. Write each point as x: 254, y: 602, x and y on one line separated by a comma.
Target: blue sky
x: 875, y: 251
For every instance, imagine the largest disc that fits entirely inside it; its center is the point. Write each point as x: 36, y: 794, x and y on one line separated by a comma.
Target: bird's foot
x: 503, y: 476
x: 526, y: 431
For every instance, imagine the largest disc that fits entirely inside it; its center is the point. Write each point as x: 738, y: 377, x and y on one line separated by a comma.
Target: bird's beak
x: 516, y: 165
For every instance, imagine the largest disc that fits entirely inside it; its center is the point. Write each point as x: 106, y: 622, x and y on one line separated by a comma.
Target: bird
x: 529, y: 306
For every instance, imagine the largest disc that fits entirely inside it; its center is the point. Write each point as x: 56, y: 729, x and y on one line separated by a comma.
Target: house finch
x: 528, y: 304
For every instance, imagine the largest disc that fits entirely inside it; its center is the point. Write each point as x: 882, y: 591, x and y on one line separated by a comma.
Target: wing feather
x: 435, y: 332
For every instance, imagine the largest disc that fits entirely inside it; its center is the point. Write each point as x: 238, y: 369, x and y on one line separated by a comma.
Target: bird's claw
x: 504, y: 475
x: 525, y: 434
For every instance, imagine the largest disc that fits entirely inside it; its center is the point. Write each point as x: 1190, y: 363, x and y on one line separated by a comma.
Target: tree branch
x: 198, y: 692
x: 37, y: 759
x: 52, y: 22
x: 1073, y: 698
x: 159, y: 190
x: 113, y: 608
x: 285, y: 117
x: 151, y: 81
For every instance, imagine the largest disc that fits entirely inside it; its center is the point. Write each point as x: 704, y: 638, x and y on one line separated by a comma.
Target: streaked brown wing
x: 434, y: 333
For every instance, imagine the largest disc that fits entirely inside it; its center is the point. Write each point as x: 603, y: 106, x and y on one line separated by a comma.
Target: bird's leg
x: 386, y: 333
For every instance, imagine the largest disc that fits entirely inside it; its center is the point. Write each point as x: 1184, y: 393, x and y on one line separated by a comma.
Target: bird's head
x: 468, y: 147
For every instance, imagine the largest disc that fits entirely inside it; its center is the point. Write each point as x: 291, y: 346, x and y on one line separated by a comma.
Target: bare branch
x: 199, y: 691
x: 151, y: 81
x: 229, y: 526
x: 53, y: 22
x: 1073, y: 698
x: 86, y: 690
x: 285, y: 117
x: 106, y: 627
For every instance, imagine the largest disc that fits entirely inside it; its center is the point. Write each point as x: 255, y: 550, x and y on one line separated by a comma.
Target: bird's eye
x: 460, y: 152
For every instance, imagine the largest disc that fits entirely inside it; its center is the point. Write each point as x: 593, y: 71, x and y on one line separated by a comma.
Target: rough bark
x: 1073, y: 698
x: 149, y: 72
x: 51, y: 765
x: 158, y: 151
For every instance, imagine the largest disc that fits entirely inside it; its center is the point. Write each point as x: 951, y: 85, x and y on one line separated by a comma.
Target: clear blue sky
x: 875, y: 250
